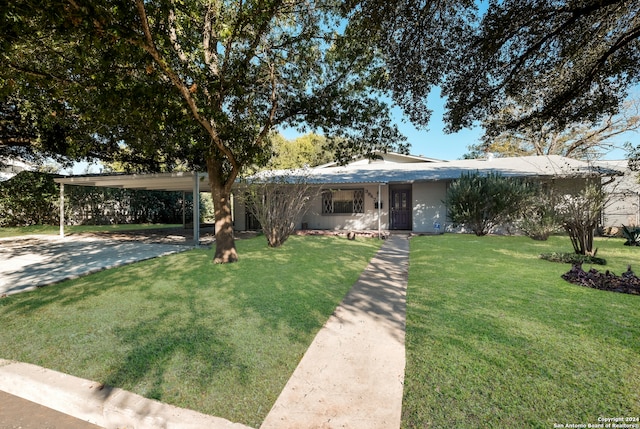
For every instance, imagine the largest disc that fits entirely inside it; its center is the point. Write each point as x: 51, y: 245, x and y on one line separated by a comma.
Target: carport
x: 191, y: 181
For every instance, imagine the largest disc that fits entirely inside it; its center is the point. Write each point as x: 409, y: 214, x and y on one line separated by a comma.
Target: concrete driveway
x: 30, y: 262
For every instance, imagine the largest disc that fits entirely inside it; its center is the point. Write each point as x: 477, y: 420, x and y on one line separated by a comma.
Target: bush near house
x: 29, y: 198
x: 483, y: 202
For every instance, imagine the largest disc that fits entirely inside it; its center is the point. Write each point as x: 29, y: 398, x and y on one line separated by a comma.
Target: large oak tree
x: 205, y: 80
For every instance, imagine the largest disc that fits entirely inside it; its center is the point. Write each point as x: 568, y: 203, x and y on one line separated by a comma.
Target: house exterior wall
x: 622, y: 208
x: 623, y: 198
x: 429, y: 212
x: 315, y: 219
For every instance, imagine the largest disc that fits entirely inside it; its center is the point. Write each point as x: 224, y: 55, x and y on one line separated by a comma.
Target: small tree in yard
x: 579, y: 213
x: 483, y: 202
x: 278, y: 204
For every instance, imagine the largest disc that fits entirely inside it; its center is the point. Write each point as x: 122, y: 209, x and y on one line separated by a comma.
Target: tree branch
x: 208, y: 42
x: 150, y: 47
x: 173, y: 36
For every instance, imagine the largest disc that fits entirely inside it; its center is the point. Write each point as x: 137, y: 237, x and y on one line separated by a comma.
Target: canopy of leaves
x: 309, y: 150
x: 585, y: 140
x: 190, y: 80
x: 563, y: 61
x: 420, y: 42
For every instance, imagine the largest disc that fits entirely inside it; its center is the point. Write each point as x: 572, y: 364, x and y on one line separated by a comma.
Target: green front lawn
x: 219, y: 339
x: 495, y: 338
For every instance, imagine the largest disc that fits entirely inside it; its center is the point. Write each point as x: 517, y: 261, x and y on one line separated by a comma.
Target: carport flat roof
x: 181, y: 181
x: 189, y: 181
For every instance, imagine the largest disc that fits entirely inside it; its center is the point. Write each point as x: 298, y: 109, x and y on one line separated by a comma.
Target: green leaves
x: 563, y: 62
x: 481, y: 203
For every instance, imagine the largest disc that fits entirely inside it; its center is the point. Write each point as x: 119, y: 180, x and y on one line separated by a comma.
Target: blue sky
x: 435, y: 143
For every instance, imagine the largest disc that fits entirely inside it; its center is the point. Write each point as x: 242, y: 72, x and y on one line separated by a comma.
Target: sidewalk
x: 350, y: 377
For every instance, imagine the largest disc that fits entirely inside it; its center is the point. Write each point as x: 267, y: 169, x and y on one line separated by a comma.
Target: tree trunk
x: 221, y: 195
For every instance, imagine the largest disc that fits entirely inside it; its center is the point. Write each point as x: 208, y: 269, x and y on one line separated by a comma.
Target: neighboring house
x: 623, y: 201
x: 406, y: 193
x: 11, y: 167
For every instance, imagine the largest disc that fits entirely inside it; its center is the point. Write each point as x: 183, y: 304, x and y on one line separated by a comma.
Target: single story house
x: 395, y: 192
x: 406, y: 193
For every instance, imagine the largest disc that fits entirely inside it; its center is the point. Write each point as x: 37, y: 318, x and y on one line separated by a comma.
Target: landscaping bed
x: 626, y: 283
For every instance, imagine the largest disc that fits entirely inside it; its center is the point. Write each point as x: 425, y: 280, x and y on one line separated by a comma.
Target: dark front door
x: 400, y: 208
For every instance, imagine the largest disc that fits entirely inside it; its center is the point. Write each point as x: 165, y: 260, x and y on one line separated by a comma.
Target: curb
x: 110, y: 408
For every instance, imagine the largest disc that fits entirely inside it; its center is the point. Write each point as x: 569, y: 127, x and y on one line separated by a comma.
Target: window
x: 343, y: 201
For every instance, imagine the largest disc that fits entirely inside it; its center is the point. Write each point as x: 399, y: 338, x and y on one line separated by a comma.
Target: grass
x: 495, y: 338
x: 76, y: 229
x: 219, y: 339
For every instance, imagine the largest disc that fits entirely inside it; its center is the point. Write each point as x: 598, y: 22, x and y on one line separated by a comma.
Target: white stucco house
x: 394, y: 193
x: 406, y: 193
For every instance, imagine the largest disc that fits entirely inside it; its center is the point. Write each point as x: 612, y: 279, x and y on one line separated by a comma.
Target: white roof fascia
x: 181, y: 181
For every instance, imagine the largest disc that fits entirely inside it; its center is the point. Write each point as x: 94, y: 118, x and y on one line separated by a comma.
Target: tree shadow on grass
x: 73, y: 292
x: 150, y: 363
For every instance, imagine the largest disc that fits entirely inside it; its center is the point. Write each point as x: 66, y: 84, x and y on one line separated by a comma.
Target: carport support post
x: 379, y: 210
x: 184, y: 212
x: 196, y: 209
x: 61, y: 209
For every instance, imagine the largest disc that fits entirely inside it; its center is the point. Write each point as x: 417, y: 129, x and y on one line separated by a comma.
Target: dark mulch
x: 626, y: 283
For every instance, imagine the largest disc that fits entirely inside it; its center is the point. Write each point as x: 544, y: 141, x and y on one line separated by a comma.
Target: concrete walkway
x: 352, y: 375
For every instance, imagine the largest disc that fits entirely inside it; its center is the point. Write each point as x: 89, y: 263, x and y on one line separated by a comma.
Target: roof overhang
x: 181, y: 181
x: 538, y: 167
x: 542, y: 167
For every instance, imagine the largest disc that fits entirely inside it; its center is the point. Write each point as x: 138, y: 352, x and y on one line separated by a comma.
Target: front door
x: 400, y: 208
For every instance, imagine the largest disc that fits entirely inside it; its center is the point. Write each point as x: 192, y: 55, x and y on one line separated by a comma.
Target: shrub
x: 632, y: 235
x: 29, y: 198
x: 483, y: 202
x: 278, y: 203
x: 539, y: 215
x: 579, y: 213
